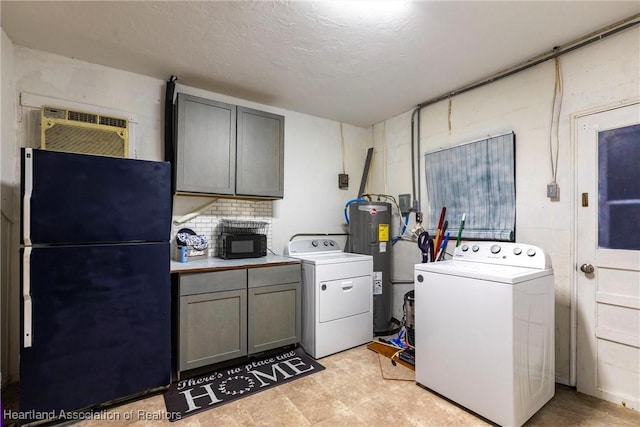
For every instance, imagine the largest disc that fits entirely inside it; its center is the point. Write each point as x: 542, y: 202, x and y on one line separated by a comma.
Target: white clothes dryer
x: 484, y: 329
x: 337, y: 296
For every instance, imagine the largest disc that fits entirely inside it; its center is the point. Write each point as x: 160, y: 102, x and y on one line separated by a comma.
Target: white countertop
x: 214, y: 264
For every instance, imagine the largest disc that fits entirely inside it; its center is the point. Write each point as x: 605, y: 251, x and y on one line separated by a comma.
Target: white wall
x: 600, y: 74
x: 313, y: 146
x: 8, y: 205
x: 313, y: 159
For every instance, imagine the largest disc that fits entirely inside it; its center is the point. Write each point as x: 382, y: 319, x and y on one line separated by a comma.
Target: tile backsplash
x: 208, y: 223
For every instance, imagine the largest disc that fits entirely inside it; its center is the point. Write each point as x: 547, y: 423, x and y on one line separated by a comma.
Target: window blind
x: 476, y: 178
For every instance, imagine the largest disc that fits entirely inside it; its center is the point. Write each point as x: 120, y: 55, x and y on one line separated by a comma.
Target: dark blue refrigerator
x: 95, y: 276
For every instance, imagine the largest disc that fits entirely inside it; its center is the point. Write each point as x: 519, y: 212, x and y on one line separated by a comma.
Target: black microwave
x: 237, y: 245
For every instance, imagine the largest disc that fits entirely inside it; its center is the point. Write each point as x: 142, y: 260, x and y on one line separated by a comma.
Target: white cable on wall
x: 384, y: 155
x: 342, y: 147
x: 449, y: 114
x: 555, y: 120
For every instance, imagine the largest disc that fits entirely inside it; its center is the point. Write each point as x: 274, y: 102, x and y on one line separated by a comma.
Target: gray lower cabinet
x: 233, y: 313
x: 213, y: 318
x: 274, y: 301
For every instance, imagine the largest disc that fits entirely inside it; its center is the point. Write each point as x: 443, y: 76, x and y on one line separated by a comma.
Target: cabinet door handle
x: 26, y: 201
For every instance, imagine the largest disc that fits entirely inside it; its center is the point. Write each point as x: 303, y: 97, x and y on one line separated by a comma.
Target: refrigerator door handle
x: 26, y: 295
x: 26, y: 201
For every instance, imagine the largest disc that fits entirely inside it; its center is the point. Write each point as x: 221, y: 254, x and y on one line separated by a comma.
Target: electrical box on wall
x: 405, y: 203
x: 553, y: 190
x: 343, y: 181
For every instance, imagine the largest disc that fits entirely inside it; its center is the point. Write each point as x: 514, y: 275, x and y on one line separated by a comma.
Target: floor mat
x: 192, y: 395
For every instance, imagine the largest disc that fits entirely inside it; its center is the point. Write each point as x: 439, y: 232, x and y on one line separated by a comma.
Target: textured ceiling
x: 357, y: 62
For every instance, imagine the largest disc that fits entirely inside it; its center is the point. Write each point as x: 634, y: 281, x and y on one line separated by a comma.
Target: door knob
x: 587, y: 268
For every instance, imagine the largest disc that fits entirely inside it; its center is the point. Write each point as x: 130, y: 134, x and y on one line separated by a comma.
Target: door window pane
x: 619, y: 188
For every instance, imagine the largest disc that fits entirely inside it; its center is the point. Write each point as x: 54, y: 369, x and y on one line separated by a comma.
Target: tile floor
x: 361, y: 388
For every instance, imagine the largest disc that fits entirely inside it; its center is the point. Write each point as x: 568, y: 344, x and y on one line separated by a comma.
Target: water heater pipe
x: 365, y: 173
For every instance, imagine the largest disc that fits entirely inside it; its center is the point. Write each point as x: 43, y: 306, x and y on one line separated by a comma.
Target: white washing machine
x: 484, y: 329
x: 337, y: 296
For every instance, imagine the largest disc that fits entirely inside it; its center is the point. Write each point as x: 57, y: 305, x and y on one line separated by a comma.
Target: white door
x: 608, y: 255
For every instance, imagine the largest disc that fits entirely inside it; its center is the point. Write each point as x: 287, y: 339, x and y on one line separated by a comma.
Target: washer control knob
x: 465, y: 248
x: 420, y: 278
x: 475, y: 248
x: 314, y: 243
x: 517, y: 251
x: 495, y: 249
x: 332, y: 243
x: 324, y: 287
x: 326, y: 243
x: 531, y: 252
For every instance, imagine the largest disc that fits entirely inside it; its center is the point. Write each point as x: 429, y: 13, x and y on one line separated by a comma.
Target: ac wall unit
x: 81, y: 132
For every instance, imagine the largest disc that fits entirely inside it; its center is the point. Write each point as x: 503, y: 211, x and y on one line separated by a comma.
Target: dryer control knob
x: 517, y: 251
x: 475, y: 248
x: 324, y: 287
x: 531, y: 252
x: 326, y: 243
x: 465, y: 248
x: 332, y: 243
x: 495, y: 249
x: 314, y: 243
x: 420, y: 278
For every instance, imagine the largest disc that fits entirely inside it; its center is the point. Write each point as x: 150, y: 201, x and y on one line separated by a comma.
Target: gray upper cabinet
x: 260, y: 154
x: 222, y: 149
x: 205, y: 146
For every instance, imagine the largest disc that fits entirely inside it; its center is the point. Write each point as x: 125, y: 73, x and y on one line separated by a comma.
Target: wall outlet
x: 553, y: 190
